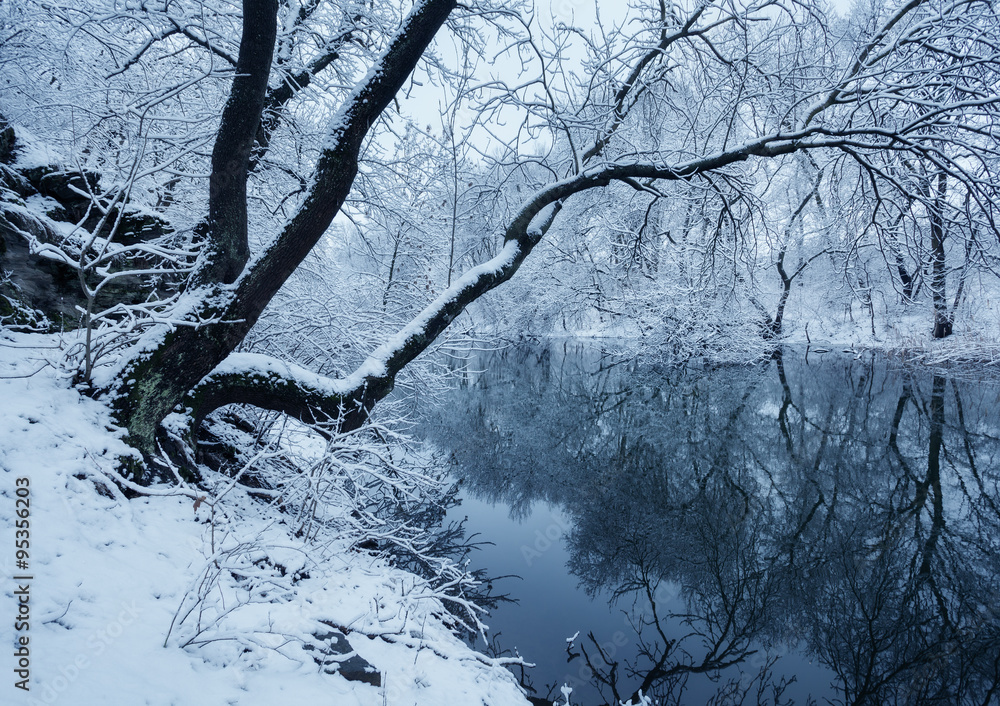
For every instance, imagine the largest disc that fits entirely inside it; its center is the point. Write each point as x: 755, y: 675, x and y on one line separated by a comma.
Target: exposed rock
x: 15, y: 181
x: 6, y: 144
x: 6, y: 141
x: 37, y: 283
x: 69, y: 187
x: 43, y: 284
x: 335, y: 655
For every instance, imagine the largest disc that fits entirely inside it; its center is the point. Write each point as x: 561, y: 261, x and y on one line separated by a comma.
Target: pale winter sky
x: 424, y: 103
x: 584, y: 10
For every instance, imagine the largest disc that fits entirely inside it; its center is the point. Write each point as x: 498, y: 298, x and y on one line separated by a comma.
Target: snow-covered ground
x: 169, y: 599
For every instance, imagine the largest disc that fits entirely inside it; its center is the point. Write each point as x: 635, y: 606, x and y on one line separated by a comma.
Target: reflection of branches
x: 984, y: 496
x: 820, y: 490
x: 729, y: 603
x: 663, y: 665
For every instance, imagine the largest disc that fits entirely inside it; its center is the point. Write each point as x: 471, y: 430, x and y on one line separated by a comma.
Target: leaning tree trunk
x: 229, y: 295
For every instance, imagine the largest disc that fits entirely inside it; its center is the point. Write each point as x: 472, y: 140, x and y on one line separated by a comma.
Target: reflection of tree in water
x: 844, y: 508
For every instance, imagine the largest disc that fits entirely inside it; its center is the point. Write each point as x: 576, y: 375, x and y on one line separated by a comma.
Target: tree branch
x: 167, y: 364
x: 203, y: 42
x: 278, y: 97
x: 338, y: 164
x: 270, y: 383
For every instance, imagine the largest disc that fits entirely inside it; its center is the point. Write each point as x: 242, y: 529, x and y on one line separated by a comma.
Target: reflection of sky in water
x: 858, y: 504
x: 553, y: 606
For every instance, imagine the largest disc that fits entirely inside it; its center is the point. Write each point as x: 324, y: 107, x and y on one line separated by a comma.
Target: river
x: 821, y: 527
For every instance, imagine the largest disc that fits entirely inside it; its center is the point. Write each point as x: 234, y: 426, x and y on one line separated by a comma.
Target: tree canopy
x: 207, y: 159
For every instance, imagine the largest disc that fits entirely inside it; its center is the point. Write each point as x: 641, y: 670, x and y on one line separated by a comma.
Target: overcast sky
x: 424, y: 102
x: 584, y: 10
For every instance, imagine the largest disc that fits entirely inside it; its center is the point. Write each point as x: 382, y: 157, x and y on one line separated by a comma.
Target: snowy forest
x: 245, y: 245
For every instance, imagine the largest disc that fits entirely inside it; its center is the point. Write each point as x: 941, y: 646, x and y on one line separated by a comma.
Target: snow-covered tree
x: 253, y: 120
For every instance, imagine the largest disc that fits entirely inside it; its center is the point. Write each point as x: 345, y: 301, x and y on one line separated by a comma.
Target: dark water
x: 821, y: 530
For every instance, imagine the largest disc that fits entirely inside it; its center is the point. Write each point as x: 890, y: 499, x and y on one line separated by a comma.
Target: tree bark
x: 228, y: 248
x: 171, y: 363
x: 942, y: 317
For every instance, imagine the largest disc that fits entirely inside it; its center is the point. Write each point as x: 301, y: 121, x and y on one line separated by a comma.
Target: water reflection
x: 843, y: 510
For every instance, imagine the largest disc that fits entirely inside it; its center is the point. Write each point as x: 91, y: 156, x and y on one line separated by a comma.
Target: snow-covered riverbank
x: 165, y: 599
